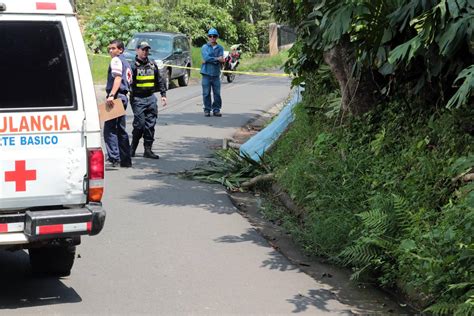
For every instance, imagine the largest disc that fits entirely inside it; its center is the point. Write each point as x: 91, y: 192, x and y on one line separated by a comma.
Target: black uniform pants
x: 145, y: 111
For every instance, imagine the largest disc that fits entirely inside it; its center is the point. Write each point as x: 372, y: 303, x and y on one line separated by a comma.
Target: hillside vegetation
x: 238, y: 22
x: 383, y: 194
x: 381, y: 154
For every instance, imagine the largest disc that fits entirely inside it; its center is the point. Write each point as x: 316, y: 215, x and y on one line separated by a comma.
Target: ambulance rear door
x: 43, y: 155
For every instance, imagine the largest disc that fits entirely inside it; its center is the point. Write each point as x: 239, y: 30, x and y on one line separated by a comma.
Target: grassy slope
x: 99, y: 65
x: 379, y: 195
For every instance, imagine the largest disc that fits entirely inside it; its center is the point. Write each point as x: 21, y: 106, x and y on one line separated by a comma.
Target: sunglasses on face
x: 212, y: 36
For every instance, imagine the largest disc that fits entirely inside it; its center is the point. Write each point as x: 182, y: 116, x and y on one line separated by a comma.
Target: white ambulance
x: 51, y: 160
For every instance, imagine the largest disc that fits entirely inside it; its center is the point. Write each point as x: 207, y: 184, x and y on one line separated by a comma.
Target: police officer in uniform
x: 119, y: 77
x: 146, y: 81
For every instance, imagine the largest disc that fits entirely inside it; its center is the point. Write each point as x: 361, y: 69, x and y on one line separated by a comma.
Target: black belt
x: 124, y: 92
x: 140, y: 95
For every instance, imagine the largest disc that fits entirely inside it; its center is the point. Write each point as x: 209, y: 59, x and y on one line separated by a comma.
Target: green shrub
x: 439, y: 259
x: 196, y: 19
x: 263, y: 36
x: 379, y: 193
x: 247, y: 36
x: 121, y: 22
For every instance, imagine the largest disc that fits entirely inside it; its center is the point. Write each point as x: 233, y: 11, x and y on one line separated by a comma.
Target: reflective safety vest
x: 144, y: 78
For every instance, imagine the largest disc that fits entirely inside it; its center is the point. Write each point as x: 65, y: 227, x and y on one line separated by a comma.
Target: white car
x: 51, y: 160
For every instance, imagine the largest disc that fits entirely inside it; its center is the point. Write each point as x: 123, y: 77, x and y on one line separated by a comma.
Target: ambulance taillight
x: 45, y: 6
x: 96, y: 174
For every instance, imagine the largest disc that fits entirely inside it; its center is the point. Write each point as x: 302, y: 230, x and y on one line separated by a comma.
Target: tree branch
x: 261, y: 178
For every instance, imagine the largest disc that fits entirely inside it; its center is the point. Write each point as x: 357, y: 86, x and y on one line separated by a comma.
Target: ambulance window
x: 35, y: 68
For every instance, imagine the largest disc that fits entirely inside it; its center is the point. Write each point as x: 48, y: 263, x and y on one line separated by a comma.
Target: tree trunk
x: 357, y: 89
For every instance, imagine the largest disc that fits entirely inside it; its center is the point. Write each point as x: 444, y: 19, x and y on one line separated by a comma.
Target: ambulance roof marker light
x: 3, y: 7
x: 45, y: 5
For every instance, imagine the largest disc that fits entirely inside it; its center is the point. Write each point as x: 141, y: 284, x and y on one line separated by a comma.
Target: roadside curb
x: 254, y: 125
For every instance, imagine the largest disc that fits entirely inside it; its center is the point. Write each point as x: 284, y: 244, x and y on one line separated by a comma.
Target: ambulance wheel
x: 184, y: 79
x: 53, y: 261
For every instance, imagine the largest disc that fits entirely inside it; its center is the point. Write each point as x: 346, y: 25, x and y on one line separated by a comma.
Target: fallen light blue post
x: 256, y: 146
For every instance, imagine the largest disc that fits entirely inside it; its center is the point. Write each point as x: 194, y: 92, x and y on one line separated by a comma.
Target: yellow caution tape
x: 234, y: 72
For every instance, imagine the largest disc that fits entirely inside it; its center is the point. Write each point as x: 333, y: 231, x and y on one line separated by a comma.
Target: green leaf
x: 405, y: 52
x: 442, y: 308
x: 454, y: 33
x: 339, y: 24
x: 462, y: 164
x: 454, y: 8
x: 461, y: 286
x: 407, y: 245
x: 464, y: 92
x: 387, y: 69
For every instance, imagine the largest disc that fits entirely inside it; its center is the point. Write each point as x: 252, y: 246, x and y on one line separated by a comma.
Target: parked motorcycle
x: 231, y: 61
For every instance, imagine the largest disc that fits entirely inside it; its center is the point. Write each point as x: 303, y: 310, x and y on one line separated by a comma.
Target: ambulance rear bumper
x: 34, y: 226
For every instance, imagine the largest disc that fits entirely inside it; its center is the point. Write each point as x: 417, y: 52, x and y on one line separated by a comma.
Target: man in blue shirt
x: 212, y: 57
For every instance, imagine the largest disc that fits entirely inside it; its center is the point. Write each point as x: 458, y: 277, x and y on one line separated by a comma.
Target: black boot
x: 150, y: 154
x: 134, y: 145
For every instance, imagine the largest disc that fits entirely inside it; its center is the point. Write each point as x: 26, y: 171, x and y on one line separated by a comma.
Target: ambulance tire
x: 52, y: 261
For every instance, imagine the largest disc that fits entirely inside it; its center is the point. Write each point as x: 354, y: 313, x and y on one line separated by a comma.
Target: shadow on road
x: 178, y: 156
x: 251, y: 236
x: 176, y: 192
x: 333, y: 285
x: 228, y: 120
x: 20, y: 289
x: 317, y: 298
x: 276, y: 261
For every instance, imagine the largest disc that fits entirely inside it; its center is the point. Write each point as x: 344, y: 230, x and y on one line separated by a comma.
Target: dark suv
x: 166, y: 49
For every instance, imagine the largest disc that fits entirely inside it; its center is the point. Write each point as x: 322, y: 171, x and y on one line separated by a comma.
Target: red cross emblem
x: 129, y: 75
x: 20, y: 175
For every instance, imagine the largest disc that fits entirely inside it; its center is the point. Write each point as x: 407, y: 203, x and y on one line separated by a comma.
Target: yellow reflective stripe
x: 145, y: 77
x: 147, y: 84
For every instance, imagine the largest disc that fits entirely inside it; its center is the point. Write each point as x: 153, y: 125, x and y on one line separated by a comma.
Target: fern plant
x: 454, y: 308
x: 381, y: 227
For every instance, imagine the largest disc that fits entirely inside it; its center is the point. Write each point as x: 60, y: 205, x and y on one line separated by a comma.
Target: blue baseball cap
x: 213, y: 31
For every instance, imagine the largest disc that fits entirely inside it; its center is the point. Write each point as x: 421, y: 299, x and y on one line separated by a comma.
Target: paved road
x: 172, y: 246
